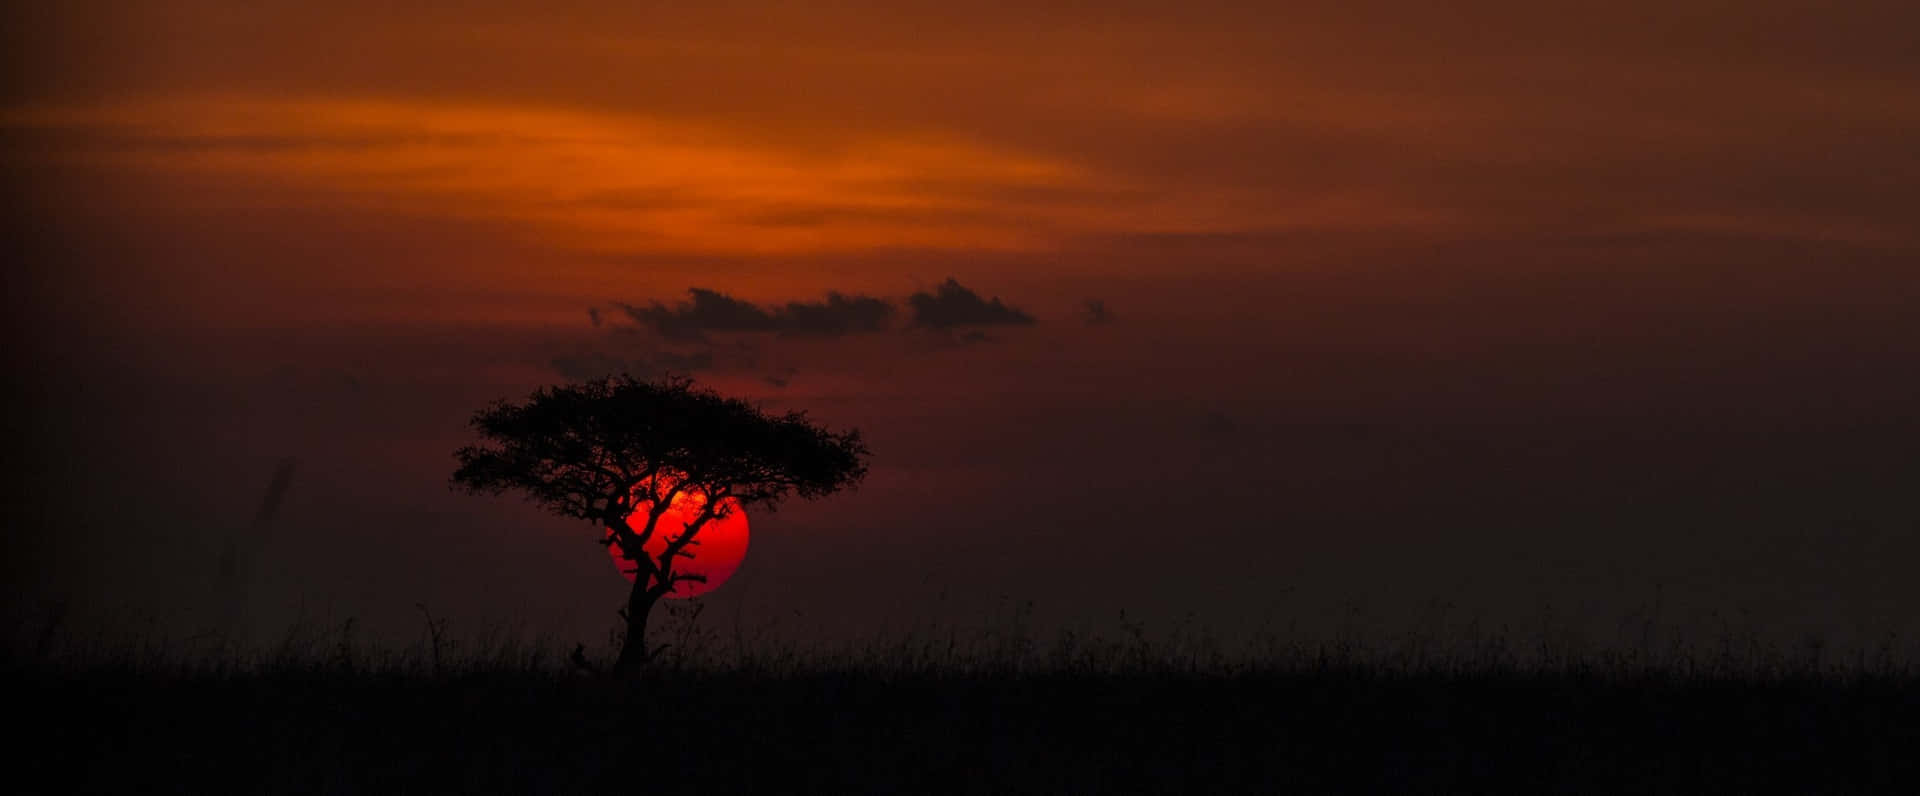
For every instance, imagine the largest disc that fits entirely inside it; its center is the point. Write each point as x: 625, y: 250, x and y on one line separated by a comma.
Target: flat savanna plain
x: 923, y: 714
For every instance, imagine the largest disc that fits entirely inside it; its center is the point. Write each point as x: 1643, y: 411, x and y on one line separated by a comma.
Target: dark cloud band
x: 710, y: 311
x: 953, y: 305
x: 681, y: 338
x: 949, y: 306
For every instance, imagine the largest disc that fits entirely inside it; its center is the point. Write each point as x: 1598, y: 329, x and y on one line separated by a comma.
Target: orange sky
x: 750, y: 134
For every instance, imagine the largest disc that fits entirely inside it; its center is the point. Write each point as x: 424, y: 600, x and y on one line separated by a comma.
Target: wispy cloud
x: 588, y: 180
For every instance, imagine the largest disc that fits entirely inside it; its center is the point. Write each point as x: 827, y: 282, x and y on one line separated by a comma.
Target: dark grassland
x: 928, y: 712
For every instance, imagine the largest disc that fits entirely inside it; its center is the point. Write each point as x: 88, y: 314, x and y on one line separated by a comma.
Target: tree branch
x: 633, y: 548
x: 716, y: 502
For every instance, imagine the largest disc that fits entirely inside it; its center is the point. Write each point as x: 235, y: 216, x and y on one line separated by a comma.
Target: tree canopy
x: 617, y: 451
x: 580, y: 450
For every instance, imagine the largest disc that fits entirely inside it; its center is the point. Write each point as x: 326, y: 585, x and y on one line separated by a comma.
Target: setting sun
x: 718, y: 548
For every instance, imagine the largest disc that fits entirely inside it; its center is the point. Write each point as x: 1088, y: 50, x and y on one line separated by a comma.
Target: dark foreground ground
x: 1306, y: 727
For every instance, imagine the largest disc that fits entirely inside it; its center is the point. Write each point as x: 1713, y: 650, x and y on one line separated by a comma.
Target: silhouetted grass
x: 945, y: 710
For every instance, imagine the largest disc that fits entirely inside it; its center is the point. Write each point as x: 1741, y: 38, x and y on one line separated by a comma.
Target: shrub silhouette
x: 617, y: 451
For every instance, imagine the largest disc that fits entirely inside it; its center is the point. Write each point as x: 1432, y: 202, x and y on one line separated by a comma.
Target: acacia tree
x: 617, y: 451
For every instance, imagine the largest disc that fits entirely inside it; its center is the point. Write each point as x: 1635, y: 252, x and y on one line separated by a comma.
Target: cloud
x: 838, y: 315
x: 953, y: 305
x: 1095, y: 312
x: 713, y: 331
x: 606, y: 179
x: 680, y: 338
x: 710, y: 311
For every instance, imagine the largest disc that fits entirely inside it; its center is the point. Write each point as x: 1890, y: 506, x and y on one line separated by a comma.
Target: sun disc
x: 718, y: 547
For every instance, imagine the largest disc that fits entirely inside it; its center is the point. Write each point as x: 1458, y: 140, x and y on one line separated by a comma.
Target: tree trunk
x: 633, y: 650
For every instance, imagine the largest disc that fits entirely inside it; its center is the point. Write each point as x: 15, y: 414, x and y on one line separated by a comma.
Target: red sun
x: 718, y: 548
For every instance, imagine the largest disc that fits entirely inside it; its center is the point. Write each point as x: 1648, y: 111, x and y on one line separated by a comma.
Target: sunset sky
x: 1238, y: 310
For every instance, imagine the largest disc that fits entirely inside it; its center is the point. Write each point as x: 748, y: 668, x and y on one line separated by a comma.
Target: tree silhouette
x: 617, y: 451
